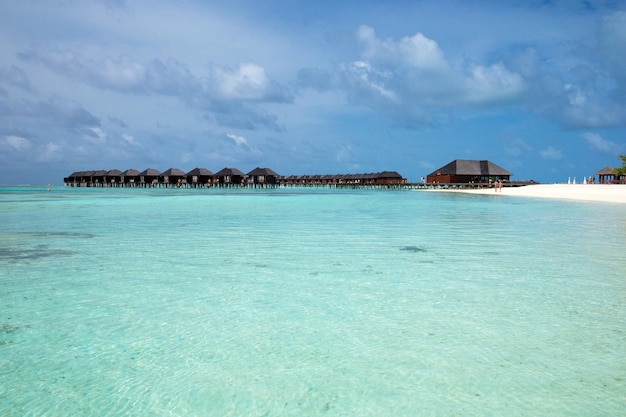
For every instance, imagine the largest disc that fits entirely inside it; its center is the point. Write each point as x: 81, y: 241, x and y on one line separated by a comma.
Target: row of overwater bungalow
x: 227, y: 177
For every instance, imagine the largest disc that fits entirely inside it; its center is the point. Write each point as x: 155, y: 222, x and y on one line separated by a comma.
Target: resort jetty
x: 456, y: 174
x: 460, y: 174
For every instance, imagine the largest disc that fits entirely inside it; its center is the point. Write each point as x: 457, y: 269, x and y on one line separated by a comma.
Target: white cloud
x: 598, y: 143
x: 551, y: 153
x: 16, y: 143
x: 239, y: 140
x: 493, y: 83
x: 584, y: 85
x: 366, y: 79
x: 95, y: 135
x: 229, y: 97
x: 249, y: 82
x: 129, y: 139
x: 119, y: 72
x: 418, y: 51
x: 412, y: 80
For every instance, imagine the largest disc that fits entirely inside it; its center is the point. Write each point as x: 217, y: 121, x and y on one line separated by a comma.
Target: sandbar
x: 606, y: 193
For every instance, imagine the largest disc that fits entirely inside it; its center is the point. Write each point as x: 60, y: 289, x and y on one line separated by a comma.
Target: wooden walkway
x: 353, y: 186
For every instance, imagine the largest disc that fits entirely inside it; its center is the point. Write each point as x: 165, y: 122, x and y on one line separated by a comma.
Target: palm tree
x: 621, y: 171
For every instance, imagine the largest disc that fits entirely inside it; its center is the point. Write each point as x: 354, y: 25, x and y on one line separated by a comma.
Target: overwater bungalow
x: 129, y: 178
x: 262, y: 177
x: 85, y: 179
x: 74, y: 179
x: 149, y: 177
x: 172, y: 177
x: 199, y: 177
x: 98, y: 178
x: 229, y: 177
x: 387, y: 178
x: 112, y: 177
x: 463, y: 171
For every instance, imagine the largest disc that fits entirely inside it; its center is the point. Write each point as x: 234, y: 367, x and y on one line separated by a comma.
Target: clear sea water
x: 308, y: 303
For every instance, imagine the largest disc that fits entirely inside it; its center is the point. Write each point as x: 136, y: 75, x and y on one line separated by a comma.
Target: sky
x: 305, y: 88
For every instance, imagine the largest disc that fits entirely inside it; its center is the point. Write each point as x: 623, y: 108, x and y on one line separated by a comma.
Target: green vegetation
x: 621, y: 170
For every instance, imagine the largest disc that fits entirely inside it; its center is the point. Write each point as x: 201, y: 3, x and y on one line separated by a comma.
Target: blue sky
x: 538, y: 87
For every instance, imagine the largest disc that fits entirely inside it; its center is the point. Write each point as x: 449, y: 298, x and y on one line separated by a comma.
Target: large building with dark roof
x: 465, y: 171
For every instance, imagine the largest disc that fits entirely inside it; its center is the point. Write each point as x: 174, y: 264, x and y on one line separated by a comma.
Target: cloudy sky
x: 304, y: 87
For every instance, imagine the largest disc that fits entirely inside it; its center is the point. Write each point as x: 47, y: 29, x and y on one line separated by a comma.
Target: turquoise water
x: 309, y: 302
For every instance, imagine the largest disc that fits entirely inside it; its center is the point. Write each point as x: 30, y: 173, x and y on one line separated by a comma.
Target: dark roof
x: 130, y: 173
x: 609, y: 170
x: 150, y: 172
x: 262, y: 171
x: 99, y: 173
x: 388, y: 174
x: 471, y: 167
x: 200, y: 172
x: 114, y: 173
x: 229, y: 171
x: 173, y: 172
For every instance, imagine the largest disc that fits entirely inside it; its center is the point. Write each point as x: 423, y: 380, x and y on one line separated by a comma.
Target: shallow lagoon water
x: 309, y: 302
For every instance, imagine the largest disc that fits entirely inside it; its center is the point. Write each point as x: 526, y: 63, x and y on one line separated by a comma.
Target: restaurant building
x: 466, y: 171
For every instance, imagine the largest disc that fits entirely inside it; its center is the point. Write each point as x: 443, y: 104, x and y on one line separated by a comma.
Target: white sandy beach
x: 613, y: 193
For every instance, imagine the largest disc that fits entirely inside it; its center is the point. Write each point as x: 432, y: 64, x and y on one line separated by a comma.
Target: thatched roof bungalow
x: 149, y: 176
x: 463, y: 171
x: 130, y: 176
x: 228, y: 177
x: 199, y: 176
x: 98, y: 178
x: 607, y: 176
x: 75, y: 178
x: 86, y: 178
x: 263, y: 176
x: 387, y: 178
x: 172, y: 176
x: 113, y: 176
